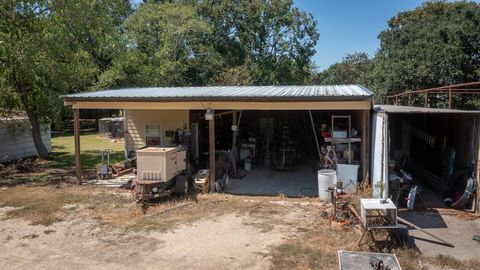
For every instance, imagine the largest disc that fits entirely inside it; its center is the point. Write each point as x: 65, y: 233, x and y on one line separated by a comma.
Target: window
x: 152, y: 135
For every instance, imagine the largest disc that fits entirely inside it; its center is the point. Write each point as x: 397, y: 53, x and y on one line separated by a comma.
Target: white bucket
x: 326, y: 178
x: 248, y: 164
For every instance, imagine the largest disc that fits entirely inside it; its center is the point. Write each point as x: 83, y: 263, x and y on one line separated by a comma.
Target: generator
x: 160, y: 172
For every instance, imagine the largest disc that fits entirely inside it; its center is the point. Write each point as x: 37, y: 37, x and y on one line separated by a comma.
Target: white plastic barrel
x: 248, y: 164
x: 326, y: 178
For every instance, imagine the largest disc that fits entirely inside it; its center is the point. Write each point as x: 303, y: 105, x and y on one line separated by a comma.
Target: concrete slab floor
x: 261, y: 181
x: 448, y: 227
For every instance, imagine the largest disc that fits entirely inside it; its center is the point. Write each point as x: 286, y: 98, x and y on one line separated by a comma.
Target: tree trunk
x: 37, y: 136
x: 42, y: 151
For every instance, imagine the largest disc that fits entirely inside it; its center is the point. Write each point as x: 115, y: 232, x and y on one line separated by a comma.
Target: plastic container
x: 326, y: 178
x: 248, y: 164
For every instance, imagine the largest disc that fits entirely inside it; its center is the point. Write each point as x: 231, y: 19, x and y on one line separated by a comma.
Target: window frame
x: 152, y: 135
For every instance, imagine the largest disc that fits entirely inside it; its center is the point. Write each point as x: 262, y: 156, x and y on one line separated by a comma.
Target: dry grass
x: 39, y: 205
x: 159, y: 218
x: 467, y: 216
x: 409, y: 259
x: 314, y: 245
x: 451, y: 262
x: 116, y: 208
x: 48, y: 204
x: 317, y: 249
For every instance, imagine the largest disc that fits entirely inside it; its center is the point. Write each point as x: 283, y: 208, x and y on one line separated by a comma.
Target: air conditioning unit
x: 378, y: 213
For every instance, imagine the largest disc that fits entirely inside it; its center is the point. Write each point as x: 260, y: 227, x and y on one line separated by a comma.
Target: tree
x: 192, y: 42
x: 434, y: 45
x: 48, y: 48
x: 165, y: 47
x: 272, y: 38
x: 353, y: 69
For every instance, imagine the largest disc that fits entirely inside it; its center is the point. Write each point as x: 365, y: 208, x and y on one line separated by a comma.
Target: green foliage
x: 48, y: 48
x: 271, y: 38
x: 354, y: 69
x: 235, y: 76
x: 434, y: 45
x: 214, y: 42
x: 164, y: 47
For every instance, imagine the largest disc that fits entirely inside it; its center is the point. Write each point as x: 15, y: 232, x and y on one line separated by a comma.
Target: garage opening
x: 276, y: 151
x: 432, y: 159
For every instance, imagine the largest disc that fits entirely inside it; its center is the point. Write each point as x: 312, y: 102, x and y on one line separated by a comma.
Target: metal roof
x: 228, y: 93
x: 410, y: 109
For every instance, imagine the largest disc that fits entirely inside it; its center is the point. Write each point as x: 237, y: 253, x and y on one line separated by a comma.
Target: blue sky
x: 348, y: 26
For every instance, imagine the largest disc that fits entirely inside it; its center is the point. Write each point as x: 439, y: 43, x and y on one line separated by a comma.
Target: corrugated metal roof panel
x: 229, y: 93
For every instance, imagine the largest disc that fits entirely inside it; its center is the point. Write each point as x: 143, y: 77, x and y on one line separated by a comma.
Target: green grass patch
x: 63, y: 151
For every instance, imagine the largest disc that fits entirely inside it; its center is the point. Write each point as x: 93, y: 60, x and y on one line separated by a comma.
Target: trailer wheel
x: 181, y: 185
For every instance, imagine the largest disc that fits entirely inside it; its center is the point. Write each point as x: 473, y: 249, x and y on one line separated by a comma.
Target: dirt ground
x: 227, y: 239
x: 206, y: 244
x: 70, y: 227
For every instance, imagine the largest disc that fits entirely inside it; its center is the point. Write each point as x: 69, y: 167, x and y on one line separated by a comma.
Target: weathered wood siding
x: 16, y: 139
x: 167, y: 119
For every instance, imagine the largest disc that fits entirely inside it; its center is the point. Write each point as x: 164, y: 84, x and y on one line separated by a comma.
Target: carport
x: 260, y: 117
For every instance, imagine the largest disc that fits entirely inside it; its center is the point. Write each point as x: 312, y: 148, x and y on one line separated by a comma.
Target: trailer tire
x: 181, y: 185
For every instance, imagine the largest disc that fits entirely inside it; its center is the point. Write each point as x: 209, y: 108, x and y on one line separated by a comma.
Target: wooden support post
x: 234, y: 118
x: 76, y: 135
x: 365, y: 145
x: 449, y: 98
x: 235, y: 133
x: 477, y: 197
x: 211, y: 140
x: 426, y: 100
x: 409, y: 99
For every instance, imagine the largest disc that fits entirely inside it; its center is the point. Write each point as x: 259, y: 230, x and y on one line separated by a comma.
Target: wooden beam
x: 211, y: 139
x: 226, y: 113
x: 365, y: 145
x: 477, y: 197
x: 450, y: 98
x: 217, y: 105
x: 234, y: 133
x: 234, y: 117
x: 76, y: 135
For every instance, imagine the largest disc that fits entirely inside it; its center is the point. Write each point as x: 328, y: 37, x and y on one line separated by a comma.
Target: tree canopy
x: 215, y: 42
x: 353, y: 69
x: 433, y: 45
x: 48, y: 48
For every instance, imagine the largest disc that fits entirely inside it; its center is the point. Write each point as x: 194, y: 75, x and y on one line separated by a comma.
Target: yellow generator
x: 160, y: 172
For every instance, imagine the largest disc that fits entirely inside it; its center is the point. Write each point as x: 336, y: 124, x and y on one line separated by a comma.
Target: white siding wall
x: 16, y: 139
x: 136, y: 120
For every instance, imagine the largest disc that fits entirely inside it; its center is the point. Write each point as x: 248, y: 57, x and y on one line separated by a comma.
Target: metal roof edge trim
x: 414, y: 110
x: 218, y: 99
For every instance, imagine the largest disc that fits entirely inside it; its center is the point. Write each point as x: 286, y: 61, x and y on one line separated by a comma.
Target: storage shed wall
x: 167, y: 119
x: 16, y: 139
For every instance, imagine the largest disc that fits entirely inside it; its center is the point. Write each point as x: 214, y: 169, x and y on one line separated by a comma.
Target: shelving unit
x: 348, y: 140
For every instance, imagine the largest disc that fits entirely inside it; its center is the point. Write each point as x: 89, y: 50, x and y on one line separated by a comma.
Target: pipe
x: 315, y: 135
